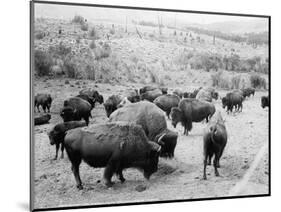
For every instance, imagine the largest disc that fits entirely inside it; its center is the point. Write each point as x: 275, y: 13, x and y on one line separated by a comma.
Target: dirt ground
x: 179, y: 178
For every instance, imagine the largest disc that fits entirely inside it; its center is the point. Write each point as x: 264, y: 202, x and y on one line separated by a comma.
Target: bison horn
x: 159, y: 149
x: 160, y: 138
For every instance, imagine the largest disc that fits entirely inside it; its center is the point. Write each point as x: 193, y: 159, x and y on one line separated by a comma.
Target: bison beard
x: 115, y: 146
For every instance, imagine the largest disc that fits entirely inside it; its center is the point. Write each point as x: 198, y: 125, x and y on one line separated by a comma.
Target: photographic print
x: 142, y: 105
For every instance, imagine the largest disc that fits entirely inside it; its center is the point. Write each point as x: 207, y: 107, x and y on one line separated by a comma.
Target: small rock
x: 266, y: 172
x: 77, y: 83
x: 140, y: 188
x: 66, y: 82
x: 245, y: 166
x: 43, y: 176
x: 98, y: 181
x: 71, y: 85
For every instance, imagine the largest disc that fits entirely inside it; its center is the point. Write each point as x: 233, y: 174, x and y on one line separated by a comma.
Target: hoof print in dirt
x: 140, y: 188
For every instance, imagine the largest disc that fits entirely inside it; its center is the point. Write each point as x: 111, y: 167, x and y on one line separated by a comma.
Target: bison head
x: 176, y: 115
x: 109, y: 108
x: 224, y: 102
x: 153, y: 157
x: 56, y: 136
x: 215, y: 95
x: 168, y: 142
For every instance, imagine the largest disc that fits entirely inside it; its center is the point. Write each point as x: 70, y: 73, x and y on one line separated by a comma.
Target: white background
x: 14, y: 105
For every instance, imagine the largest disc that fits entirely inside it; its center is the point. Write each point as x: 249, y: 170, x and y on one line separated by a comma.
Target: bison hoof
x: 204, y: 178
x: 209, y: 163
x: 217, y: 174
x: 80, y: 187
x: 109, y: 184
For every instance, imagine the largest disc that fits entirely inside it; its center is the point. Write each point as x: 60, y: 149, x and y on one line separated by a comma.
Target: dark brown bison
x: 151, y: 95
x: 147, y: 88
x: 207, y: 94
x: 191, y: 110
x: 57, y: 134
x: 232, y: 100
x: 111, y: 104
x: 45, y: 100
x: 44, y: 119
x: 92, y: 93
x: 115, y: 146
x: 166, y: 102
x: 215, y: 139
x: 247, y: 92
x: 75, y: 108
x: 265, y: 101
x: 152, y: 119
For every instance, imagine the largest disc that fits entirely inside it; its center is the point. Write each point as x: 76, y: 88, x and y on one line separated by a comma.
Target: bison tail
x: 213, y: 131
x: 189, y: 124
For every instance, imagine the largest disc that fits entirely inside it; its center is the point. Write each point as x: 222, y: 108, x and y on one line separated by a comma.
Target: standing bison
x: 92, y: 93
x: 178, y: 92
x: 215, y: 139
x: 207, y: 94
x: 115, y: 146
x: 191, y: 110
x: 57, y: 134
x: 265, y: 101
x: 232, y: 99
x: 152, y: 119
x: 75, y: 108
x: 166, y: 102
x: 111, y: 104
x: 45, y: 100
x: 247, y: 92
x: 132, y: 95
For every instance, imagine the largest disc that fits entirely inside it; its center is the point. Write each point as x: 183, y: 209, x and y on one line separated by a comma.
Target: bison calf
x: 115, y: 146
x: 57, y: 134
x: 215, y: 138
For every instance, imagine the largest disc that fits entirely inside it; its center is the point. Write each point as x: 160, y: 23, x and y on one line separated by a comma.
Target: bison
x: 214, y: 142
x: 57, y: 134
x: 45, y: 100
x: 144, y: 89
x: 166, y: 102
x: 191, y: 94
x: 151, y: 95
x: 152, y: 119
x: 191, y: 110
x: 265, y: 101
x: 232, y: 99
x: 111, y: 104
x: 44, y: 119
x: 115, y: 146
x: 87, y: 98
x: 75, y: 108
x: 132, y: 95
x: 247, y: 92
x: 207, y: 94
x: 92, y: 93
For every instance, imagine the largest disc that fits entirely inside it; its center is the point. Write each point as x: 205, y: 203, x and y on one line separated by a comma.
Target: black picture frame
x: 33, y: 2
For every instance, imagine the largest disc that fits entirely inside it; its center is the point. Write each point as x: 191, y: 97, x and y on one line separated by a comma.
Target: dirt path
x: 179, y: 178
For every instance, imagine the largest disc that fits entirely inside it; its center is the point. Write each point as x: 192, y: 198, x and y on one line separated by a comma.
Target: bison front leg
x: 62, y: 148
x: 57, y: 150
x: 75, y: 161
x: 205, y: 165
x: 109, y: 170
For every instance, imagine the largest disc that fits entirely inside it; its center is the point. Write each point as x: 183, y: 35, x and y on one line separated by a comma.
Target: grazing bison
x: 44, y: 119
x: 151, y: 95
x: 152, y: 119
x: 166, y: 102
x: 57, y: 134
x: 215, y: 139
x: 247, y: 92
x: 92, y: 93
x: 147, y: 88
x: 207, y: 94
x: 191, y: 110
x: 232, y: 100
x: 115, y: 146
x: 75, y: 108
x: 265, y: 101
x: 111, y: 104
x: 178, y: 92
x: 45, y: 100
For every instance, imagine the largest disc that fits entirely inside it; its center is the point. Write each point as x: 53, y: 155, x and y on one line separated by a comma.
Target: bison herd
x: 136, y: 133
